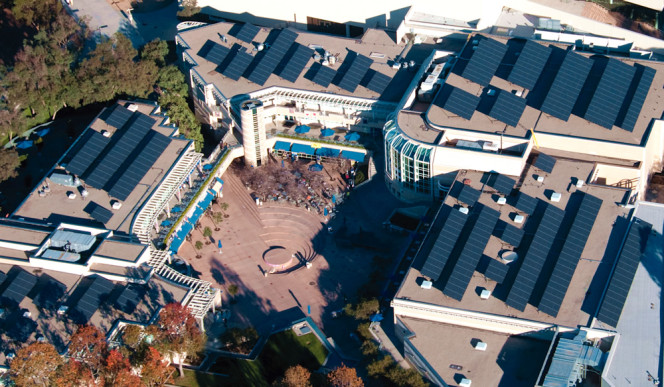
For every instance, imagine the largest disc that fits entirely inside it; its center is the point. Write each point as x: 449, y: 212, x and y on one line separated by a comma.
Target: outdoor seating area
x: 315, y: 151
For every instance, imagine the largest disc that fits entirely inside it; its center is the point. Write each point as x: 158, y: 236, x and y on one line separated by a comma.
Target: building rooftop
x: 507, y: 360
x: 120, y: 250
x: 513, y: 85
x: 214, y: 48
x: 460, y: 281
x: 122, y: 156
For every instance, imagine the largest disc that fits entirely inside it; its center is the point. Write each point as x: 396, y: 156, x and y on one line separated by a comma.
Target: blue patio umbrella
x: 43, y: 132
x: 219, y: 244
x: 207, y: 167
x: 326, y: 132
x: 316, y: 168
x: 176, y: 209
x: 352, y: 136
x: 334, y: 198
x: 376, y: 317
x: 302, y: 129
x: 325, y: 212
x: 166, y: 223
x: 24, y: 145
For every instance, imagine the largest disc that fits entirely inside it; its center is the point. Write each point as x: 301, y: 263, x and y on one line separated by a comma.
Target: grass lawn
x: 282, y: 350
x: 195, y: 379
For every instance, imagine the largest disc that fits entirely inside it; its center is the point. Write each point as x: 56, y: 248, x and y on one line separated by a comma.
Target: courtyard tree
x: 295, y: 376
x: 198, y: 246
x: 217, y: 217
x: 35, y: 365
x: 156, y: 51
x: 154, y: 371
x: 207, y: 232
x: 88, y: 346
x: 117, y: 371
x: 9, y: 163
x: 224, y: 207
x: 233, y: 290
x: 73, y: 373
x: 343, y: 376
x: 364, y: 309
x: 178, y: 334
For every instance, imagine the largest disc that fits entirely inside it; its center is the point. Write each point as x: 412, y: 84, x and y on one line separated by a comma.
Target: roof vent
x: 485, y: 294
x: 539, y: 178
x: 463, y: 210
x: 580, y: 183
x: 84, y: 193
x: 480, y: 345
x: 71, y: 195
x: 396, y: 65
x: 377, y: 55
x: 132, y: 107
x: 260, y: 47
x: 116, y: 204
x: 555, y: 197
x: 106, y: 133
x: 491, y: 92
x: 426, y: 284
x: 465, y: 382
x: 518, y: 93
x: 62, y: 310
x: 518, y: 218
x: 332, y: 59
x: 501, y: 200
x: 509, y: 256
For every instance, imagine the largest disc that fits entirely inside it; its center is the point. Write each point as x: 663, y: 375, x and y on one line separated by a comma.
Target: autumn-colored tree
x: 155, y: 371
x: 35, y: 365
x: 295, y: 376
x: 178, y: 334
x: 132, y: 335
x: 343, y: 376
x: 73, y: 373
x: 117, y: 371
x: 88, y: 346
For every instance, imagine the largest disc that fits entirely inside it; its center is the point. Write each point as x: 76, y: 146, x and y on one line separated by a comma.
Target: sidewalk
x: 386, y: 345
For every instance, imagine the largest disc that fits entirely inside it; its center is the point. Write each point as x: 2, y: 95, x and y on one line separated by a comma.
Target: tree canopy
x: 344, y: 376
x: 35, y: 365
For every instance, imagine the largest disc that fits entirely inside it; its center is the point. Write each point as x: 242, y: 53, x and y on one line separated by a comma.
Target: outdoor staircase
x: 248, y: 205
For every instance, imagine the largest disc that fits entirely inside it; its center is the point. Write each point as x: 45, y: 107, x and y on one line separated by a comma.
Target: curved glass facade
x: 406, y: 161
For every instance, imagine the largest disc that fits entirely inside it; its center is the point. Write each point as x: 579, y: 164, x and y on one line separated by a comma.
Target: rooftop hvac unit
x: 463, y: 210
x: 476, y: 42
x: 555, y: 197
x: 490, y: 146
x: 501, y: 200
x: 580, y: 183
x: 325, y: 62
x: 71, y: 195
x: 518, y: 218
x: 260, y: 47
x: 519, y: 93
x: 332, y: 59
x: 84, y: 193
x: 426, y: 284
x: 396, y: 65
x: 485, y: 294
x: 106, y: 133
x: 116, y: 205
x: 480, y: 345
x: 132, y: 107
x: 540, y: 179
x: 465, y: 382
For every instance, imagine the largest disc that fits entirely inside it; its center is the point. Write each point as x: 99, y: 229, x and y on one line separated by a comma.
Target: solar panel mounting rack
x: 296, y: 63
x: 324, y: 76
x: 485, y: 61
x: 610, y: 93
x: 566, y: 86
x: 444, y: 244
x: 496, y: 271
x: 268, y: 63
x: 508, y: 108
x: 529, y: 65
x: 457, y: 101
x: 378, y: 82
x: 504, y: 184
x: 247, y: 32
x: 355, y: 73
x: 545, y: 162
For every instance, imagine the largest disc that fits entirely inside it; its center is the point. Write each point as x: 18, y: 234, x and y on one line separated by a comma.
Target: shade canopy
x: 326, y: 132
x: 352, y: 136
x: 302, y: 148
x: 282, y: 146
x: 302, y: 129
x: 24, y: 144
x: 355, y: 156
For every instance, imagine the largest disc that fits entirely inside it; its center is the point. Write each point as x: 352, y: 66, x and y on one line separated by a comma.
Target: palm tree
x: 207, y: 232
x: 217, y: 217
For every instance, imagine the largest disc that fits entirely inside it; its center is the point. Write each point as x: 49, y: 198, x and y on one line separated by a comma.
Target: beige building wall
x: 253, y: 132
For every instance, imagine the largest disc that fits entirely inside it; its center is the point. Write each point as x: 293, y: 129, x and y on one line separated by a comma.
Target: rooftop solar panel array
x: 88, y: 304
x: 324, y: 76
x: 562, y: 273
x: 526, y: 203
x: 508, y: 108
x: 567, y: 85
x: 93, y: 144
x: 444, y: 244
x: 119, y: 116
x: 378, y: 82
x: 532, y: 264
x: 217, y: 53
x: 623, y: 274
x: 638, y: 99
x: 296, y: 63
x: 98, y: 212
x: 20, y: 286
x: 529, y: 65
x: 512, y: 235
x: 545, y: 163
x: 496, y: 271
x: 248, y: 32
x: 471, y: 254
x: 469, y: 195
x: 457, y: 101
x: 238, y: 64
x: 120, y: 151
x: 484, y: 62
x: 271, y: 59
x: 139, y: 166
x: 355, y: 73
x: 504, y: 184
x: 610, y: 93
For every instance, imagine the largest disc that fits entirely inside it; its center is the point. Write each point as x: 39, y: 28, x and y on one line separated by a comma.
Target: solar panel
x: 355, y: 73
x: 442, y: 247
x: 120, y: 151
x: 88, y: 304
x: 484, y: 62
x: 469, y: 195
x: 19, y: 287
x: 508, y: 108
x: 93, y: 145
x: 526, y: 203
x: 534, y: 259
x: 3, y: 277
x: 378, y: 82
x: 128, y: 299
x: 504, y: 184
x: 296, y: 63
x: 238, y: 65
x: 610, y: 93
x: 324, y: 76
x: 248, y: 32
x: 217, y: 53
x: 562, y: 273
x: 638, y: 99
x: 567, y: 85
x: 623, y: 273
x: 545, y: 163
x: 98, y: 212
x: 529, y: 65
x: 140, y: 166
x: 457, y: 101
x: 271, y: 59
x: 119, y: 116
x: 512, y: 235
x: 496, y: 271
x: 471, y: 253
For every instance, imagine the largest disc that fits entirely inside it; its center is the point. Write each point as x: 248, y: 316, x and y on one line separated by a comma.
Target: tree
x: 155, y: 51
x: 73, y: 373
x: 224, y: 207
x: 240, y: 340
x: 343, y: 376
x: 155, y: 371
x: 295, y: 376
x: 177, y: 333
x: 363, y: 309
x: 117, y: 371
x: 132, y: 335
x: 207, y: 232
x: 88, y: 346
x: 9, y: 163
x: 36, y: 13
x: 171, y: 80
x: 217, y: 217
x: 189, y: 8
x: 233, y: 290
x: 35, y: 365
x: 181, y: 115
x: 198, y: 246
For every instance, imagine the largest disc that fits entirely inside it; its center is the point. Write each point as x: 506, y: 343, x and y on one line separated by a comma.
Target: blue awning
x: 327, y: 152
x: 282, y: 146
x: 355, y: 156
x: 302, y: 148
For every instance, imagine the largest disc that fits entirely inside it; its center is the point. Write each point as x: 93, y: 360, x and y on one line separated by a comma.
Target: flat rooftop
x: 54, y: 206
x: 507, y: 360
x: 546, y: 90
x: 377, y: 45
x: 582, y: 296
